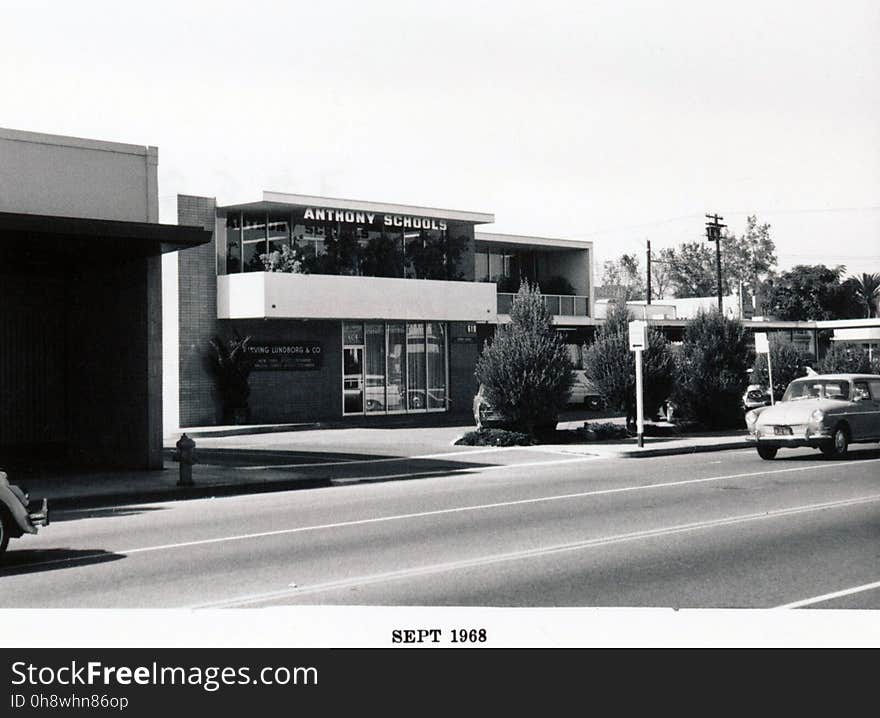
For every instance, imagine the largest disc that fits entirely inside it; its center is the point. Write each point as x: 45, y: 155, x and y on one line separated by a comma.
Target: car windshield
x: 813, y: 389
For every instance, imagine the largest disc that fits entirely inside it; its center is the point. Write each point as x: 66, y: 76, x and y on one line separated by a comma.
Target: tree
x: 692, y: 270
x: 748, y: 258
x: 525, y: 370
x: 787, y: 363
x: 610, y: 365
x: 661, y: 273
x: 625, y: 273
x: 711, y: 373
x: 866, y: 290
x: 843, y: 359
x: 811, y: 292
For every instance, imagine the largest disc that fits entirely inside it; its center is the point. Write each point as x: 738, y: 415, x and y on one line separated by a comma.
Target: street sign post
x: 762, y: 346
x: 638, y: 341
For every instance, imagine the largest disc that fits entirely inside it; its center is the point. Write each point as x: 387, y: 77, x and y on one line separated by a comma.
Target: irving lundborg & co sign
x: 389, y: 220
x: 293, y: 355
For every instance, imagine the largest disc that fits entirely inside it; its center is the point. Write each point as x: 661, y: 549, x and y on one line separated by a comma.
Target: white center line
x: 830, y: 596
x: 440, y: 512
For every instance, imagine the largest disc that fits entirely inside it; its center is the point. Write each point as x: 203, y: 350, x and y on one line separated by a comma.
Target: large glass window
x: 393, y: 367
x: 436, y: 355
x: 415, y: 367
x: 375, y: 380
x: 233, y: 243
x: 253, y: 239
x: 396, y: 366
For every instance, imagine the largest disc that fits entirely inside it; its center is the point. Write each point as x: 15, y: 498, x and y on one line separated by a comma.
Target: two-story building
x: 354, y: 308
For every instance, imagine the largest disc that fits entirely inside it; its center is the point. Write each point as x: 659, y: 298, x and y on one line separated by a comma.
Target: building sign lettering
x: 301, y: 356
x: 403, y: 221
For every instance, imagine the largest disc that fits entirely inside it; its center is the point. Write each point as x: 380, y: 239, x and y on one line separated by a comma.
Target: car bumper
x: 38, y: 513
x: 809, y: 436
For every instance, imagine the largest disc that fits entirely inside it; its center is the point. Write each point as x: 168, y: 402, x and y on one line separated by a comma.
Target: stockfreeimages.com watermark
x: 210, y: 678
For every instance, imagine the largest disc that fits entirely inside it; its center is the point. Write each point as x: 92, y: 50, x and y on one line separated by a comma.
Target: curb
x: 671, y: 451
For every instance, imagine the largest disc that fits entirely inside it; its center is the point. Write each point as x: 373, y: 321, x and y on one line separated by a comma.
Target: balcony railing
x: 564, y: 305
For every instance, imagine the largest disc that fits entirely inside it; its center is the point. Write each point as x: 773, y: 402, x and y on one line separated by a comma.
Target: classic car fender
x: 15, y: 502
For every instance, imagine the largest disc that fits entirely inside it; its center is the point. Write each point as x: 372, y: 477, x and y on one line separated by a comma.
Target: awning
x: 30, y: 235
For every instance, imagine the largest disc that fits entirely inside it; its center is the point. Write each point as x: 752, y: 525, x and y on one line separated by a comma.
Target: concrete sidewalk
x: 347, y: 446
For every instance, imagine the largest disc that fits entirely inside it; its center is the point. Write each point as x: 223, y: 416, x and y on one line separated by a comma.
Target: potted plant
x: 231, y: 365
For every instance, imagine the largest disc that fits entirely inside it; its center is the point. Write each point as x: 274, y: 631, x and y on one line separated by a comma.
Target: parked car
x: 824, y: 411
x: 486, y: 417
x: 583, y: 391
x: 18, y: 515
x: 755, y: 396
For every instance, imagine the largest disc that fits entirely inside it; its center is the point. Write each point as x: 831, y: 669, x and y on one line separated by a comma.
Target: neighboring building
x: 387, y: 317
x: 80, y: 301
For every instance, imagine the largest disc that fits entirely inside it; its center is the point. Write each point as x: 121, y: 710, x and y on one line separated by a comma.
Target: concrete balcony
x: 278, y: 295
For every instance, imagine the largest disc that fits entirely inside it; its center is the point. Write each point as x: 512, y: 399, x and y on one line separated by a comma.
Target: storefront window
x: 436, y: 356
x: 415, y: 367
x: 375, y: 357
x: 396, y: 365
x: 393, y: 367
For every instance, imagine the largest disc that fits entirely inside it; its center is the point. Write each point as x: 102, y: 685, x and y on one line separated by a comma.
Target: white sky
x: 614, y: 120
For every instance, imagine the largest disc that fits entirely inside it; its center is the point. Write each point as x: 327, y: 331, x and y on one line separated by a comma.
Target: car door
x: 860, y: 411
x: 873, y: 417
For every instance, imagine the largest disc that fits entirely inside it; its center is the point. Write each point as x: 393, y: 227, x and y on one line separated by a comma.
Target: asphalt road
x: 513, y: 527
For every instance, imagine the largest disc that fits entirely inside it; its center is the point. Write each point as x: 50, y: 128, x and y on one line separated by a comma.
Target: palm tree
x: 867, y: 291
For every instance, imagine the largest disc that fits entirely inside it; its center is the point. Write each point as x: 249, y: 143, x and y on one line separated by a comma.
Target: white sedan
x: 826, y: 411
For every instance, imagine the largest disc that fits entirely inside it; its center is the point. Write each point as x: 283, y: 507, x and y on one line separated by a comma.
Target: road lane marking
x: 439, y: 512
x: 541, y: 552
x: 830, y: 596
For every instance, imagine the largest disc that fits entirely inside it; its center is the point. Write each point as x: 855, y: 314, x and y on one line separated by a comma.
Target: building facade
x: 80, y: 315
x: 354, y: 309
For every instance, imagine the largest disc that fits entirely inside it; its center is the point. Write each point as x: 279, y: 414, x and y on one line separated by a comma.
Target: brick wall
x: 197, y: 297
x: 280, y: 396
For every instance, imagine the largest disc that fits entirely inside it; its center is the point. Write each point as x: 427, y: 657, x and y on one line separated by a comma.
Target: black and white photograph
x: 397, y: 324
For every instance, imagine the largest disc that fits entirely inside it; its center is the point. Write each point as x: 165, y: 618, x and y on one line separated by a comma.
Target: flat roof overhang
x: 78, y: 235
x: 281, y: 201
x: 514, y: 242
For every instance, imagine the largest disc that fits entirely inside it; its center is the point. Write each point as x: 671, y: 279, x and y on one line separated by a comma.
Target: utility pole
x: 649, y: 270
x: 713, y: 234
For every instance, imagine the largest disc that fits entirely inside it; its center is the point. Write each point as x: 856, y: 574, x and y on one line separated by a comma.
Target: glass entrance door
x: 353, y: 380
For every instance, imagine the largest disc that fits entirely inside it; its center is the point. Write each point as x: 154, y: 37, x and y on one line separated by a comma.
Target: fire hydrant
x: 185, y: 455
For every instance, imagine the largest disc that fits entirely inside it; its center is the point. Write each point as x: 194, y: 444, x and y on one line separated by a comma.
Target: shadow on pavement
x: 102, y: 512
x: 17, y: 562
x: 855, y: 453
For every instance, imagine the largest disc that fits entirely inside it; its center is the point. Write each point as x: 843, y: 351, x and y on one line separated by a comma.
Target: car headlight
x: 751, y: 417
x: 817, y: 415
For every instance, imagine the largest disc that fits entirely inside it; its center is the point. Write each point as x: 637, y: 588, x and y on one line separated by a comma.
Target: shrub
x: 842, y: 359
x: 495, y: 437
x: 787, y: 362
x: 600, y: 430
x: 287, y: 260
x: 711, y: 371
x: 610, y: 365
x: 525, y: 369
x: 231, y: 366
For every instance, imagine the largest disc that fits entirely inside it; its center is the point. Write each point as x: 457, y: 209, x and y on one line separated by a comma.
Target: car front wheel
x: 838, y: 446
x: 767, y: 452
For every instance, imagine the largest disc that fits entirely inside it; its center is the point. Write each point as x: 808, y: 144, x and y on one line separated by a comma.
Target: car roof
x: 838, y: 377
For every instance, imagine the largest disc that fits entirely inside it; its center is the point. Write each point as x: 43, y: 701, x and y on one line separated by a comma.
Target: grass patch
x: 495, y: 437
